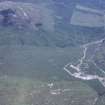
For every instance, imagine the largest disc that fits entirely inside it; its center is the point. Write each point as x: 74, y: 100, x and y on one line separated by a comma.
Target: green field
x: 42, y: 63
x: 25, y: 91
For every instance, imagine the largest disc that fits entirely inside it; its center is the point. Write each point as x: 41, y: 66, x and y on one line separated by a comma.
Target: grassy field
x: 25, y: 91
x: 42, y: 63
x: 27, y: 74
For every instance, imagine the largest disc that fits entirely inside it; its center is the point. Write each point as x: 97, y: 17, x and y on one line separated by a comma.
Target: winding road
x: 78, y: 73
